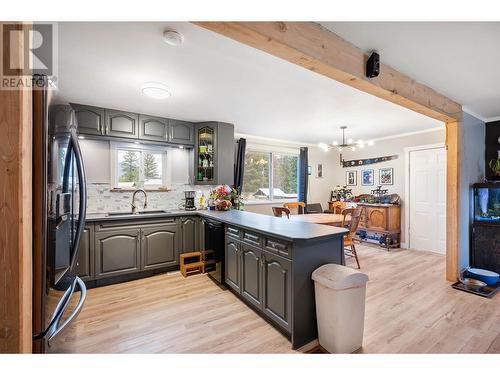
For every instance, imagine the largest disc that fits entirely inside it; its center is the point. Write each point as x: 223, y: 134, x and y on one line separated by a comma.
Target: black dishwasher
x: 214, y: 249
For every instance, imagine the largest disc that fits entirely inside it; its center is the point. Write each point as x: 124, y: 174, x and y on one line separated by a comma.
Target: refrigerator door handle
x: 82, y: 188
x: 56, y: 328
x: 58, y: 311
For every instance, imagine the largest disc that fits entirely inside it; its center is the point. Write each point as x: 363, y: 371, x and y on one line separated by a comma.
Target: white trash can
x: 340, y: 307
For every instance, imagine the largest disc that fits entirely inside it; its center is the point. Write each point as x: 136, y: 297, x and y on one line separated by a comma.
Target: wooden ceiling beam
x: 313, y: 47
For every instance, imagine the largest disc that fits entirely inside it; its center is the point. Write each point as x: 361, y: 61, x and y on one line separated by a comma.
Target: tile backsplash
x: 102, y: 199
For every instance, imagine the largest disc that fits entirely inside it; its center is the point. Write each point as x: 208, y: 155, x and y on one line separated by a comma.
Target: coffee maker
x: 189, y: 196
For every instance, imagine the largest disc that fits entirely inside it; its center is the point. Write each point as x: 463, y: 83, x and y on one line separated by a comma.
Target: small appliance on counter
x: 189, y: 196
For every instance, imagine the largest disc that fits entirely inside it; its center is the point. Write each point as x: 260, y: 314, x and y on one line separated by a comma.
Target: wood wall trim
x: 452, y: 199
x: 313, y: 47
x: 15, y: 219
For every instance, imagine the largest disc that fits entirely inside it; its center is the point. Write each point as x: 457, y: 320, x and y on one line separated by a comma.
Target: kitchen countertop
x: 275, y: 226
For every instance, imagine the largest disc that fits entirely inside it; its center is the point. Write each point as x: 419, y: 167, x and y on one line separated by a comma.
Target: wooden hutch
x: 380, y: 223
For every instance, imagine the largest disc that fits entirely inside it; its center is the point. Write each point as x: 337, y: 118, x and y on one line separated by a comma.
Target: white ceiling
x: 215, y: 78
x: 457, y: 59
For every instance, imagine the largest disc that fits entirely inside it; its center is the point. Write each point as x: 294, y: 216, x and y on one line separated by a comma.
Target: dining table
x: 325, y: 219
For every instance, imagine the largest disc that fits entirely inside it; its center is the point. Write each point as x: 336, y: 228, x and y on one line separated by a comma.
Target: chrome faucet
x: 135, y: 209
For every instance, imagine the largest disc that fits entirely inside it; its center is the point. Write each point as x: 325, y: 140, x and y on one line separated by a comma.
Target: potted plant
x: 495, y: 167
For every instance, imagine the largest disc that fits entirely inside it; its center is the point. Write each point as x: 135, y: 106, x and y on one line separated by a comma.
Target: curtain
x: 303, y: 175
x: 239, y: 164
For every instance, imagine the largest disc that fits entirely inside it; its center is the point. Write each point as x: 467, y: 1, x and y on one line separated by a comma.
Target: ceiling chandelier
x: 348, y: 144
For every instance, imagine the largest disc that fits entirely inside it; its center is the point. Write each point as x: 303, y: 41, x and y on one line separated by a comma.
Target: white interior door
x: 427, y: 203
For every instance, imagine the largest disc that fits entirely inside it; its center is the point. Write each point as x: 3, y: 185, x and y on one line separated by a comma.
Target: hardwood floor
x: 410, y: 308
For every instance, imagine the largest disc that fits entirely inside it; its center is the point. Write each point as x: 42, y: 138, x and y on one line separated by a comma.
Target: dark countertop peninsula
x: 268, y: 261
x: 275, y: 226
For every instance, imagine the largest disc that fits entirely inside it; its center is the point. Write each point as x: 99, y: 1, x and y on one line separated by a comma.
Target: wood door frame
x: 16, y: 209
x: 313, y: 47
x: 407, y: 151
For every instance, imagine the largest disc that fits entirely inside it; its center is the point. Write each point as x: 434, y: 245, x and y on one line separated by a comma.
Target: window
x: 135, y: 167
x: 270, y: 176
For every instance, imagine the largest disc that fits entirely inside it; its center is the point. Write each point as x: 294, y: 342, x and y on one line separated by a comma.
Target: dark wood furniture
x: 314, y: 208
x: 280, y: 211
x: 485, y: 246
x: 381, y: 221
x: 485, y: 230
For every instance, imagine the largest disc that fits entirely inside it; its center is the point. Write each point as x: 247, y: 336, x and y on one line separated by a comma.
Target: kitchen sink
x: 129, y: 213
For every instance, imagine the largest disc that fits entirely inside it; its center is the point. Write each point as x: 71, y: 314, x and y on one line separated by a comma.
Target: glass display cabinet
x: 206, y: 155
x: 485, y: 236
x: 214, y: 148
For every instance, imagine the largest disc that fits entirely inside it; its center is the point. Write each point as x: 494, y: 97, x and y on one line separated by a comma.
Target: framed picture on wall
x: 319, y: 170
x: 350, y: 178
x: 386, y: 176
x: 367, y: 177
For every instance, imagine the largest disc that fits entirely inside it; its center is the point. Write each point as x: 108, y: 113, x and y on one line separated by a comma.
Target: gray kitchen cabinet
x: 153, y: 128
x: 159, y: 246
x: 214, y: 153
x: 232, y: 264
x: 84, y: 266
x: 90, y: 119
x: 181, y: 132
x: 251, y: 278
x: 121, y: 124
x: 190, y: 236
x: 277, y: 289
x: 118, y: 252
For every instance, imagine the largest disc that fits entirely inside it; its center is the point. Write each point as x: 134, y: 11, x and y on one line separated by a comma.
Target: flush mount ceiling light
x: 350, y: 144
x: 173, y: 38
x: 156, y: 90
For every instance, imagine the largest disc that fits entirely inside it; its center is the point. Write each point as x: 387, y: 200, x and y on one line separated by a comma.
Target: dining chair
x: 335, y: 207
x: 352, y: 226
x: 279, y: 211
x: 314, y: 208
x: 296, y: 208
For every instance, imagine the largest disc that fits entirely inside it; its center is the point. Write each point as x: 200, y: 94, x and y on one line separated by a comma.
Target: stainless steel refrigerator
x: 59, y: 208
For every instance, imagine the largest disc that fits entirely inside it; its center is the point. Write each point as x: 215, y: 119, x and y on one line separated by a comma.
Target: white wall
x: 96, y: 159
x: 472, y: 150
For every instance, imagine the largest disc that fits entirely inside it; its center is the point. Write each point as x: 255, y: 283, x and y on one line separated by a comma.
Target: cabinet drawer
x: 252, y: 238
x: 112, y: 225
x: 278, y: 247
x: 233, y: 232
